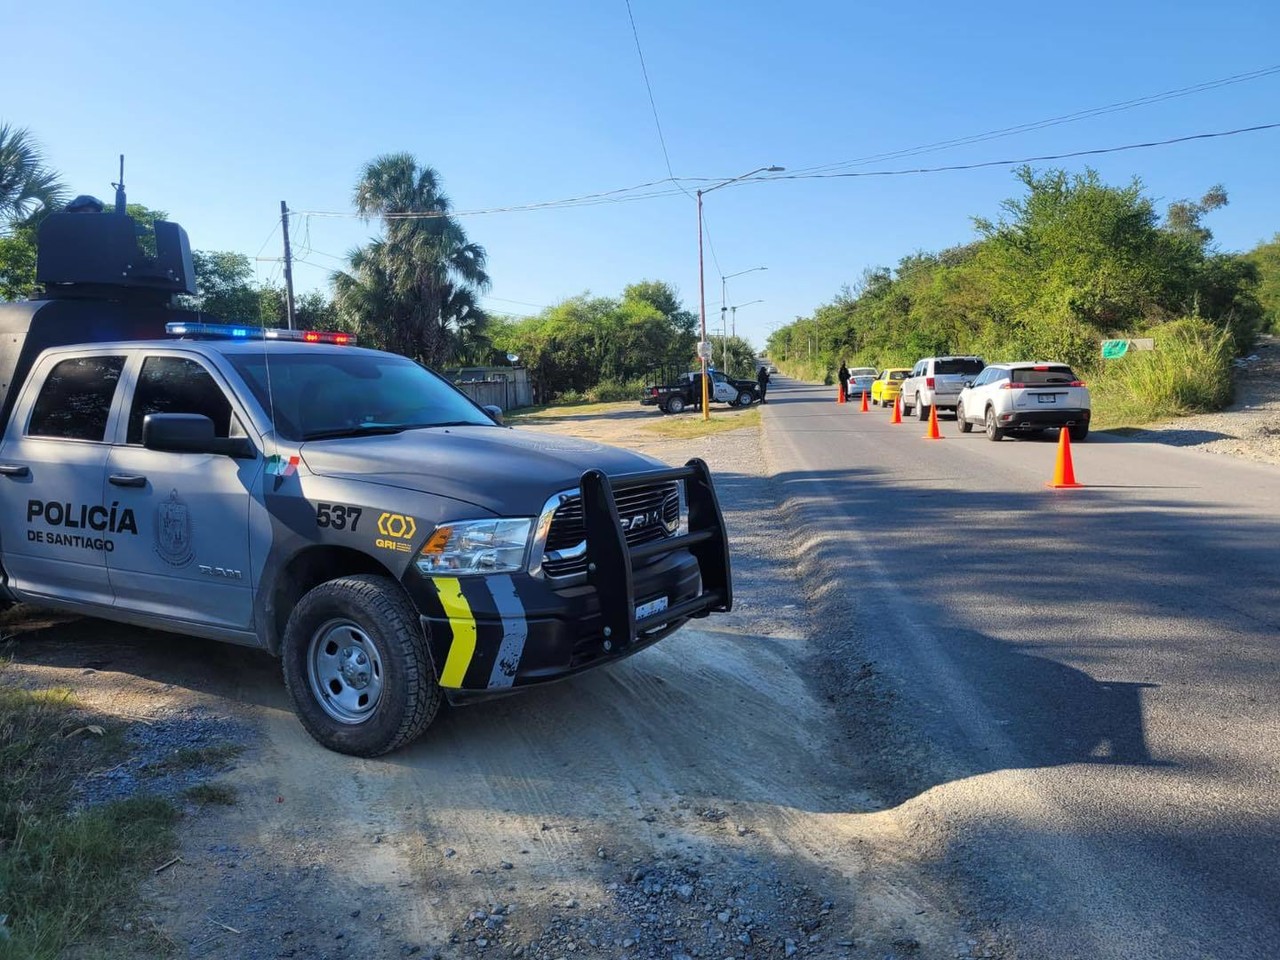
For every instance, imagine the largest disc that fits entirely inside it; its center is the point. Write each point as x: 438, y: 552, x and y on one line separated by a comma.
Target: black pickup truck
x: 344, y: 509
x: 677, y: 394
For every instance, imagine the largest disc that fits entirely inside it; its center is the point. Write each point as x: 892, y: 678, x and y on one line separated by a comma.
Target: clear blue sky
x: 224, y: 109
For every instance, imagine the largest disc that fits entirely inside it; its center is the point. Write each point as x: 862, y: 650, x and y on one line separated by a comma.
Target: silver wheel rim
x: 345, y: 672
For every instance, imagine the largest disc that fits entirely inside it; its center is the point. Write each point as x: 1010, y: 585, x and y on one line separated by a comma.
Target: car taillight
x: 1077, y: 383
x: 928, y: 382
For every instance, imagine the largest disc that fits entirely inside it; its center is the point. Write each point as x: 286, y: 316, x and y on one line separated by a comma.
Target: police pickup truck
x: 346, y: 509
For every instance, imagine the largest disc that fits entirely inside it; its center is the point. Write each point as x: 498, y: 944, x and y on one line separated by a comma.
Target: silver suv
x: 1025, y: 397
x: 937, y: 382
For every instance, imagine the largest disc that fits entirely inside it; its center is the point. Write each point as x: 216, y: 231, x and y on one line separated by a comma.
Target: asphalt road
x: 1088, y: 677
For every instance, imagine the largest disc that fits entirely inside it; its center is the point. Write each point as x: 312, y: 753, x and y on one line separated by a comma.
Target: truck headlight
x: 476, y: 546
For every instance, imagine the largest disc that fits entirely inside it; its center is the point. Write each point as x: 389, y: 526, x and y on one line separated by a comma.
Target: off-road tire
x: 1079, y: 433
x: 675, y: 405
x: 965, y: 425
x: 993, y: 430
x: 410, y: 695
x: 922, y: 409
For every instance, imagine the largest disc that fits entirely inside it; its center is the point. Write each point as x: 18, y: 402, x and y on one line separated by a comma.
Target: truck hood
x: 506, y: 472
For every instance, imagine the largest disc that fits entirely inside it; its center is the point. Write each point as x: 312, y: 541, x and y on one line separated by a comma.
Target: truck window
x: 75, y: 401
x: 967, y: 366
x: 177, y: 385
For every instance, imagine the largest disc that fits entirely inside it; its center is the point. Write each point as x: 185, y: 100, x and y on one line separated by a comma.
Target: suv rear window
x: 1038, y: 376
x: 963, y: 365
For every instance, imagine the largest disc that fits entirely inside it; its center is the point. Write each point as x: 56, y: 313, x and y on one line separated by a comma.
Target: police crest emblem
x: 173, y: 531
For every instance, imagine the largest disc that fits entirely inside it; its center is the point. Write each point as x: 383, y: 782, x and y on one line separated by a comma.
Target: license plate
x: 653, y: 606
x: 1048, y: 397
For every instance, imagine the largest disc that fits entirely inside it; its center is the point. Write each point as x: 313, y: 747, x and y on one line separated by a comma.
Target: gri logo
x: 397, y: 525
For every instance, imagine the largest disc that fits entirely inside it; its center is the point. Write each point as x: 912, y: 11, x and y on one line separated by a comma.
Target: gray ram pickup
x: 345, y: 509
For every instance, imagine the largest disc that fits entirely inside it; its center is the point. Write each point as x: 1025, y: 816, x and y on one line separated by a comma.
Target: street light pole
x: 702, y: 283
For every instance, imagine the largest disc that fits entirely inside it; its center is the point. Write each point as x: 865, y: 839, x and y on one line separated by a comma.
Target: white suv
x: 937, y: 382
x: 1025, y: 397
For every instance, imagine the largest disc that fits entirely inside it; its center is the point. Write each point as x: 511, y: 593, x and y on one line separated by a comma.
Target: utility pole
x: 288, y: 265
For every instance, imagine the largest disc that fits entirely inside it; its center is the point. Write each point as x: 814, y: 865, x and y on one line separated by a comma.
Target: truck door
x: 190, y: 559
x: 57, y: 525
x: 722, y: 390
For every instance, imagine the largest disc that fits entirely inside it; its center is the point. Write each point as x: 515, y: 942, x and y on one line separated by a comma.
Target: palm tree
x: 413, y: 290
x: 27, y: 187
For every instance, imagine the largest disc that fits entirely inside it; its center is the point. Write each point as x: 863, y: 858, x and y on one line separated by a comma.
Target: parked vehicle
x: 679, y: 393
x: 346, y: 510
x: 887, y: 386
x: 1025, y: 397
x: 937, y: 382
x: 860, y: 379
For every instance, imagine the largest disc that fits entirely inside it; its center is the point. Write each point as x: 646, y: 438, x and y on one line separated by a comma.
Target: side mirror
x: 494, y: 412
x: 190, y: 433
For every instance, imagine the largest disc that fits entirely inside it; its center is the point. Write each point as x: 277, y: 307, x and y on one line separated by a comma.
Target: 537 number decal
x: 337, y: 516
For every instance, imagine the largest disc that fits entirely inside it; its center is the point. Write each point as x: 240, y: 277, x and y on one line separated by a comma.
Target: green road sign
x: 1111, y: 349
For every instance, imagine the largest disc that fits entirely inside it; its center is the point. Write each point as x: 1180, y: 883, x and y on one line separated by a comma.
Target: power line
x: 1010, y: 163
x: 1258, y: 74
x: 643, y: 191
x: 649, y: 87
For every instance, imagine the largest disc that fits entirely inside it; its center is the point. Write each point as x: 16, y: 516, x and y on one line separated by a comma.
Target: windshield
x: 328, y: 394
x: 898, y: 374
x: 1040, y: 375
x: 863, y: 372
x: 964, y: 365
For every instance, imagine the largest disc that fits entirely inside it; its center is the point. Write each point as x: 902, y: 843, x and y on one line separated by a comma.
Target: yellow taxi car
x: 888, y: 385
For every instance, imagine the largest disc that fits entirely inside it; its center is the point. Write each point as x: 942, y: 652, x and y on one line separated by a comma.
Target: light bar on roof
x: 228, y: 331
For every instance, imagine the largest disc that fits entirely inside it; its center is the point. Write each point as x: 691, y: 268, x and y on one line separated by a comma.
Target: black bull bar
x: 610, y: 557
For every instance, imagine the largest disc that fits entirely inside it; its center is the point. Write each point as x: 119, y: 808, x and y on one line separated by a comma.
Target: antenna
x: 120, y: 204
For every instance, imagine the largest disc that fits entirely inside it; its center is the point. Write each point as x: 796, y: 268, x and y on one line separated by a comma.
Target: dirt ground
x: 701, y: 799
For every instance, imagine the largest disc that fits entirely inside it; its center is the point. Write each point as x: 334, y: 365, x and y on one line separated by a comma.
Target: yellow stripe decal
x: 463, y: 625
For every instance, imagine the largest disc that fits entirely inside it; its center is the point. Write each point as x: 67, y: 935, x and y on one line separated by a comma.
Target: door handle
x: 127, y: 480
x: 15, y: 470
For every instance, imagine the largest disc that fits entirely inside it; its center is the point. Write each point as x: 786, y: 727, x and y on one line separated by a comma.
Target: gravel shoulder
x: 1249, y: 428
x: 705, y: 798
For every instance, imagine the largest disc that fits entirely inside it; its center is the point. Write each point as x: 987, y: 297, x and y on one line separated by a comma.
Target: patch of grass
x: 211, y: 794
x: 213, y: 755
x: 569, y: 411
x: 692, y: 425
x: 1188, y: 372
x: 63, y: 874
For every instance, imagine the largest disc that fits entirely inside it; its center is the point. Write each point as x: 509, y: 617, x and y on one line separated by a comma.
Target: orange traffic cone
x: 1064, y: 475
x: 840, y: 398
x: 897, y: 410
x: 933, y: 433
x: 865, y: 408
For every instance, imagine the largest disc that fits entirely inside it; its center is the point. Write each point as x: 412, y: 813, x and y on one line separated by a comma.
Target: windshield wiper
x: 459, y: 423
x: 368, y: 430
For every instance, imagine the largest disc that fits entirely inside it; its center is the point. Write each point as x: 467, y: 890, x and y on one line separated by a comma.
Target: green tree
x: 18, y: 264
x: 413, y: 290
x: 224, y: 286
x: 1265, y: 258
x: 28, y: 186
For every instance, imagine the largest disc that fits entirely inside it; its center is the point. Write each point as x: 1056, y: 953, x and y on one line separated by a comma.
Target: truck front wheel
x: 356, y: 666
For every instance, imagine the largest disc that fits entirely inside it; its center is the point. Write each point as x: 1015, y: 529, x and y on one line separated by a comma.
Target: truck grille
x: 647, y: 514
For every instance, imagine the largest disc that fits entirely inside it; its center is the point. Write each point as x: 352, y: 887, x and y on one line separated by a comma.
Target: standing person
x: 844, y: 379
x: 762, y: 381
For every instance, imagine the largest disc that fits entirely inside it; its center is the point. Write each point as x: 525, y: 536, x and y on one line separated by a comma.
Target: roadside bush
x: 612, y: 391
x: 1189, y: 371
